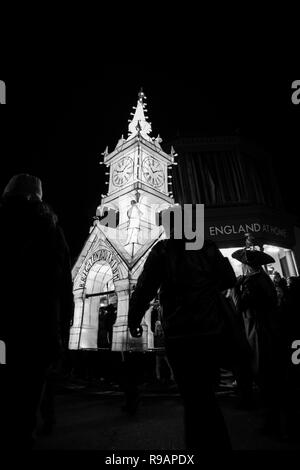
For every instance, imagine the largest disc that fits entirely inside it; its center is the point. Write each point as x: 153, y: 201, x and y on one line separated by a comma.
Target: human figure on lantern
x: 189, y: 283
x: 255, y: 298
x: 134, y: 215
x: 37, y: 301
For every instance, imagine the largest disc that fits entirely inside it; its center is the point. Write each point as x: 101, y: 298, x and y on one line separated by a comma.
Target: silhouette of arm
x: 236, y: 294
x: 66, y: 288
x: 147, y: 285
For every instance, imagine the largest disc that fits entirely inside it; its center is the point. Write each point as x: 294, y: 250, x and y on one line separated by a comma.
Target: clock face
x: 153, y: 172
x: 122, y: 171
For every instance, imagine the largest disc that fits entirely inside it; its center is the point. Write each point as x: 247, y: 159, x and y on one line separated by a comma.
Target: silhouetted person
x: 189, y: 283
x: 161, y: 358
x: 111, y: 316
x: 289, y: 373
x: 47, y: 405
x: 237, y: 352
x: 107, y: 318
x: 280, y: 284
x: 255, y: 298
x: 36, y: 300
x: 130, y: 380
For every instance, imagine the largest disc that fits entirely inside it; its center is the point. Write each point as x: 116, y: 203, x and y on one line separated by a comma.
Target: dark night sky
x: 57, y: 126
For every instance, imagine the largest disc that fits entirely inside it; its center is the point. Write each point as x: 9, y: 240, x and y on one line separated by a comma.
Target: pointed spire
x: 173, y: 152
x: 120, y: 141
x: 105, y: 152
x: 139, y: 125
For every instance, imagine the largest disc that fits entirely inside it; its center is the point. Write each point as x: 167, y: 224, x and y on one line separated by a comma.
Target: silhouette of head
x: 25, y: 186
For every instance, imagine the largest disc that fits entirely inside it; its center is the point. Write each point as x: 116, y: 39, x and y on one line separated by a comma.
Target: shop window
x: 284, y: 261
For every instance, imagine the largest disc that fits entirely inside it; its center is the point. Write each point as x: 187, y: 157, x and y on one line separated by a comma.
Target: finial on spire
x: 141, y: 95
x: 173, y: 152
x: 105, y: 152
x: 139, y: 125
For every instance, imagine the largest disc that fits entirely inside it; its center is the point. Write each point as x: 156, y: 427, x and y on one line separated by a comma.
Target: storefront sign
x: 264, y: 229
x: 245, y: 228
x: 101, y: 255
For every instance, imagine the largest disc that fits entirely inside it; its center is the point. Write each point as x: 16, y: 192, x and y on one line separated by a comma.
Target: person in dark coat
x: 255, y: 298
x: 289, y: 373
x: 189, y: 283
x: 237, y: 354
x: 36, y: 300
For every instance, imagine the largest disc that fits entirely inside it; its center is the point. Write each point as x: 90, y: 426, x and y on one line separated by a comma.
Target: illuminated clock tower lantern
x: 124, y: 231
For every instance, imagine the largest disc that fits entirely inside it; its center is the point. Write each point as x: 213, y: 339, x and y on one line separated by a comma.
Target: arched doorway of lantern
x: 96, y: 306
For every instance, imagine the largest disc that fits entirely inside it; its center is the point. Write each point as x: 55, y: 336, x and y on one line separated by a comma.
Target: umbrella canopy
x: 252, y: 257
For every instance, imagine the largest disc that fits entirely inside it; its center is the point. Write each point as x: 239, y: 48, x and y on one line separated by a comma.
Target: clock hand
x: 150, y: 169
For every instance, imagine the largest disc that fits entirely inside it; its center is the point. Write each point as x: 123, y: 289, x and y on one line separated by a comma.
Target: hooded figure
x: 36, y: 294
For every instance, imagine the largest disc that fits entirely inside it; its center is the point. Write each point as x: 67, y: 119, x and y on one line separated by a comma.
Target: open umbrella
x: 252, y: 257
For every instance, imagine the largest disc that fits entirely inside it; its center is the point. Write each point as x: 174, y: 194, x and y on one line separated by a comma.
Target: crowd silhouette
x: 204, y: 320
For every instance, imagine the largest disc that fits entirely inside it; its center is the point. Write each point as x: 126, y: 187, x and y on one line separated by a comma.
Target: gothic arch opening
x: 99, y: 308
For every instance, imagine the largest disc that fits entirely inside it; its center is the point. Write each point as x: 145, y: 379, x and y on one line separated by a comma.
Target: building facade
x: 235, y: 181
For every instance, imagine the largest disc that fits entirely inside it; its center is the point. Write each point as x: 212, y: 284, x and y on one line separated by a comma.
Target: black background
x: 56, y: 125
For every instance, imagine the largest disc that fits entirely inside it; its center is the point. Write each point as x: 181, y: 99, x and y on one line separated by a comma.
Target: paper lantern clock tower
x: 124, y: 230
